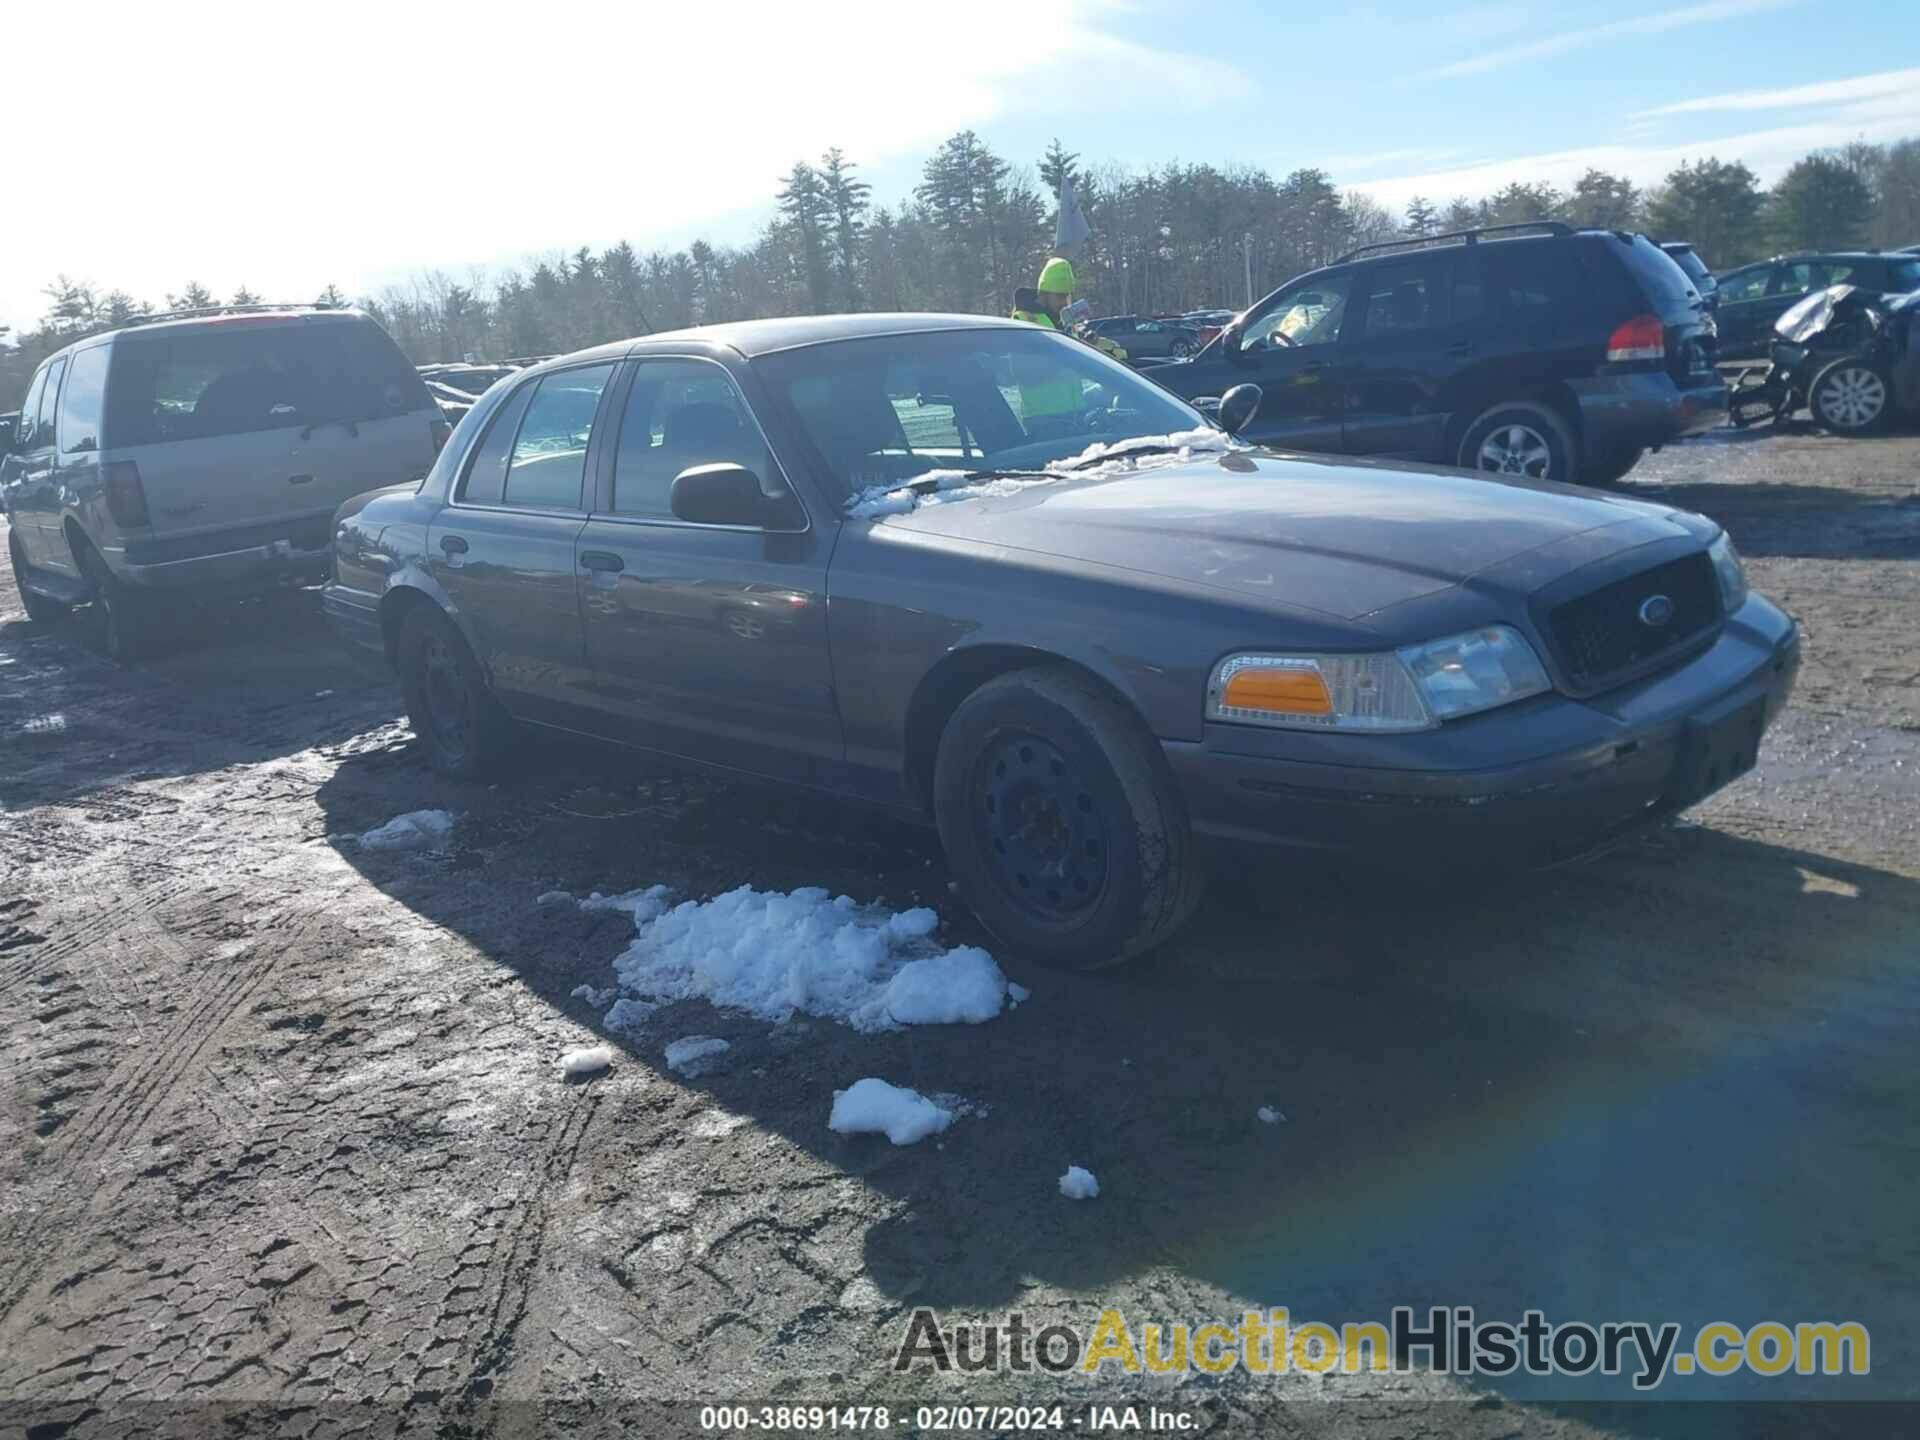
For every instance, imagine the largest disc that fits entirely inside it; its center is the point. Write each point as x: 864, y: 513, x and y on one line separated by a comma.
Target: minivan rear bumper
x: 1620, y: 412
x: 294, y: 551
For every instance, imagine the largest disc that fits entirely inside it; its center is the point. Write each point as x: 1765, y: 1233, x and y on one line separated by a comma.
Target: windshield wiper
x: 1130, y: 453
x: 933, y: 487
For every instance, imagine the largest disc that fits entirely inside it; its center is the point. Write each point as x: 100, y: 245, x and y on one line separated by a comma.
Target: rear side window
x: 43, y: 418
x: 23, y: 437
x: 549, y: 458
x: 1405, y: 296
x: 239, y: 379
x: 1745, y: 285
x: 1902, y: 276
x: 82, y: 400
x: 1529, y: 277
x: 487, y: 471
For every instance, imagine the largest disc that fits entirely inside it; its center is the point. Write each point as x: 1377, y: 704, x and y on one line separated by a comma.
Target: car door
x: 1405, y: 346
x: 1741, y: 311
x: 76, y: 437
x: 1290, y: 348
x: 35, y: 498
x: 503, y: 548
x: 17, y: 469
x: 708, y: 641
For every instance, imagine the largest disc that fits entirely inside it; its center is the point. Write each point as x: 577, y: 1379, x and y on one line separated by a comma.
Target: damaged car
x: 997, y: 581
x: 1850, y: 357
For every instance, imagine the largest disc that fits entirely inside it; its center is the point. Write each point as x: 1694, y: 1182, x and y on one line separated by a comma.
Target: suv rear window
x: 232, y: 380
x: 1661, y: 280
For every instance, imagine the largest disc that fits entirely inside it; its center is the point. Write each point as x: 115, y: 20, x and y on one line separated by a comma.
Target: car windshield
x: 887, y: 410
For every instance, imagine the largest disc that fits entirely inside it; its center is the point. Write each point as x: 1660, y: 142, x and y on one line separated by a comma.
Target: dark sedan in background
x: 978, y: 572
x: 1753, y: 297
x: 1145, y: 337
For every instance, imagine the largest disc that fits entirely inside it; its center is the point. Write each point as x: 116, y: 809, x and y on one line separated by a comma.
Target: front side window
x: 486, y: 478
x: 892, y: 408
x: 681, y: 414
x: 549, y: 459
x: 1902, y: 276
x: 1308, y: 316
x: 1748, y: 285
x: 81, y: 401
x: 1405, y: 296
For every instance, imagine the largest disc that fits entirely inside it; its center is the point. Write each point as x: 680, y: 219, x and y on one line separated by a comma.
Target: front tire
x: 1180, y: 349
x: 41, y: 610
x: 455, y: 717
x: 1064, y: 831
x: 1523, y: 439
x: 1849, y: 397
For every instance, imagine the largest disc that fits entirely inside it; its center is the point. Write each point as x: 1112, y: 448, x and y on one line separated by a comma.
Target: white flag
x: 1072, y: 231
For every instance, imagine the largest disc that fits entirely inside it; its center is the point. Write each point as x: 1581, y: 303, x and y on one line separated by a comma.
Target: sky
x: 284, y: 148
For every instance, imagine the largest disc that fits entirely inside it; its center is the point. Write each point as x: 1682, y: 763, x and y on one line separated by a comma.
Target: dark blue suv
x: 1531, y: 349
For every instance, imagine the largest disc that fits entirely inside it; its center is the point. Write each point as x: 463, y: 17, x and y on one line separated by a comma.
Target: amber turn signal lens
x: 1289, y: 691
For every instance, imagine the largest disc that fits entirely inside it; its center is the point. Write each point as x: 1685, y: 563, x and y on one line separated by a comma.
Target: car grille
x: 1601, y: 636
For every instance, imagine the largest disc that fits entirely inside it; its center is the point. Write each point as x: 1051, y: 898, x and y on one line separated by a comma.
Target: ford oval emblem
x: 1656, y: 611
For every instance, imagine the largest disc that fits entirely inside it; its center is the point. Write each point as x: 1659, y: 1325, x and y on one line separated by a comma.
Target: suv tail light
x: 126, y: 501
x: 1641, y: 338
x: 441, y: 432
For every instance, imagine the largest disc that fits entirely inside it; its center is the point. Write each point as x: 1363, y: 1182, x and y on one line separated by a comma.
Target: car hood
x: 1341, y: 537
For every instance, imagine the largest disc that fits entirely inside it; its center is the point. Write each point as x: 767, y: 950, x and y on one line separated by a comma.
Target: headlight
x: 1410, y: 689
x: 1731, y: 574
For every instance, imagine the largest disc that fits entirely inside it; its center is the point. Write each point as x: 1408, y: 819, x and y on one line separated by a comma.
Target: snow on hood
x: 1117, y: 457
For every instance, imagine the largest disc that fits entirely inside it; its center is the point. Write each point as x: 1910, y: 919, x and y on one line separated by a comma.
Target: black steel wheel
x: 1064, y: 829
x: 454, y: 715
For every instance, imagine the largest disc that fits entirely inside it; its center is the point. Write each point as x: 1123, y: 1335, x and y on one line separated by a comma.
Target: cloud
x: 1767, y: 152
x: 1886, y: 84
x: 250, y: 148
x: 1565, y: 40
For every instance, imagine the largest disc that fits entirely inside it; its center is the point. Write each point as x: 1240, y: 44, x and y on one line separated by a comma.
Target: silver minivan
x: 203, y: 454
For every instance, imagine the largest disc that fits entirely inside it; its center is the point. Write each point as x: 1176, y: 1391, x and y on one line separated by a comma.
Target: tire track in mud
x: 131, y: 1094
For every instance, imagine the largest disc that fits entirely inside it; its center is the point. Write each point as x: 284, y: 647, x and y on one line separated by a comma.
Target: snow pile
x: 1269, y: 1116
x: 415, y: 830
x: 586, y: 1062
x: 639, y: 906
x: 593, y: 997
x: 684, y: 1056
x: 552, y: 897
x: 775, y: 955
x: 1078, y: 1184
x: 627, y: 1016
x: 1116, y: 457
x: 873, y: 1107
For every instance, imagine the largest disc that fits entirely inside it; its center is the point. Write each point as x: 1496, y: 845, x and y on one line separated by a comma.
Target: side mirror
x: 1237, y: 407
x: 722, y: 494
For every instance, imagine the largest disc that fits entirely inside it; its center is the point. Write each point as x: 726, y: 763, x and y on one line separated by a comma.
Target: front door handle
x: 601, y: 560
x: 453, y: 545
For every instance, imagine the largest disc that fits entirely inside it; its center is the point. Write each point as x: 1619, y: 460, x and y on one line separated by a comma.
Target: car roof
x: 248, y: 316
x: 762, y: 337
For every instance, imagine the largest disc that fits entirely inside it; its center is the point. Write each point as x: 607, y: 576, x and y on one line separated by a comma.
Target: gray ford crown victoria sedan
x: 975, y: 571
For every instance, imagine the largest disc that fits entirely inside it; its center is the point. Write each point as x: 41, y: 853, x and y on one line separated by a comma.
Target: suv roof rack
x: 202, y: 311
x: 1422, y: 242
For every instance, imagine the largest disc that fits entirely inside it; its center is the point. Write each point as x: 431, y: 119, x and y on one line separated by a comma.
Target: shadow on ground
x: 1671, y: 1084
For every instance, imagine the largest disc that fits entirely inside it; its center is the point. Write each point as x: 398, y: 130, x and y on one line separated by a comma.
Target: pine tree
x: 244, y: 296
x: 1422, y: 218
x: 195, y: 297
x: 1058, y: 166
x: 804, y: 208
x: 1820, y: 204
x: 331, y: 297
x: 846, y: 197
x: 1603, y: 201
x: 1714, y: 205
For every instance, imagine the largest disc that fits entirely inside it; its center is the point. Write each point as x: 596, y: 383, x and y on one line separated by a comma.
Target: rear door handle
x: 300, y: 479
x: 453, y: 545
x: 601, y: 560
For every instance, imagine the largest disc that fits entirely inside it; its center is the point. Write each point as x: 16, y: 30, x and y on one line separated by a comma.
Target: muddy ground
x: 283, y: 1125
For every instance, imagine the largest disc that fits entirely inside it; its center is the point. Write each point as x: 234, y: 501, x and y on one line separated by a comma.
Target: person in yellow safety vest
x: 1055, y: 398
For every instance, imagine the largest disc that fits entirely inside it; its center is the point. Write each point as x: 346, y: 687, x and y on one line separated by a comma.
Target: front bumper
x: 1629, y: 411
x: 1582, y: 773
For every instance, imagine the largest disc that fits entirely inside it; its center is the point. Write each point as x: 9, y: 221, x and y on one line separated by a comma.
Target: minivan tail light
x: 1641, y: 338
x: 126, y: 501
x: 441, y: 432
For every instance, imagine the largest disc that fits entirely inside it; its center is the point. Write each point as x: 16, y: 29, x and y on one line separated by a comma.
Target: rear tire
x: 1520, y: 438
x: 1612, y: 467
x: 1064, y: 831
x: 461, y: 726
x: 117, y: 620
x: 42, y: 610
x: 1849, y: 397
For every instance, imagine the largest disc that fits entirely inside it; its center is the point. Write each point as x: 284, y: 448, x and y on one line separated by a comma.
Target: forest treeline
x: 977, y: 224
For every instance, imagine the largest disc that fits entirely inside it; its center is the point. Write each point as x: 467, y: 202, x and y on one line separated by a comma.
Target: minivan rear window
x: 229, y: 380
